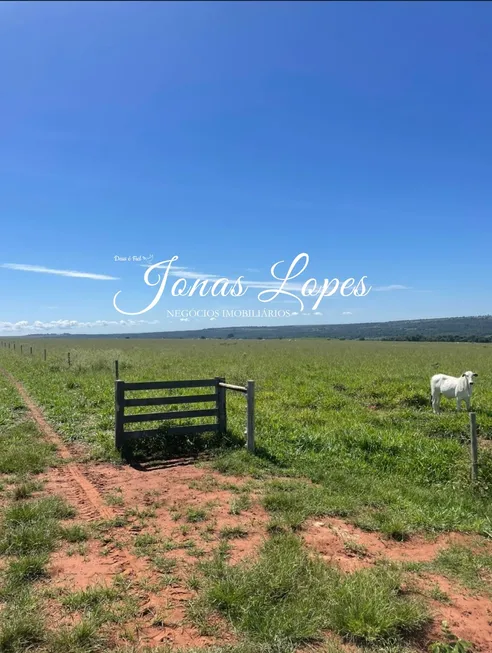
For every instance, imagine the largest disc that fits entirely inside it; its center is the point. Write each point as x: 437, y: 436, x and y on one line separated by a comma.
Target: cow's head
x: 470, y: 376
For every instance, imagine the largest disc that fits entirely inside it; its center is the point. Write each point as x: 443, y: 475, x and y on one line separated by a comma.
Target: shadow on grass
x: 170, y: 450
x: 416, y: 401
x: 269, y: 457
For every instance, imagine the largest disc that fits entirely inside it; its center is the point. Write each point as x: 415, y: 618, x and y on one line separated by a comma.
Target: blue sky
x: 235, y: 135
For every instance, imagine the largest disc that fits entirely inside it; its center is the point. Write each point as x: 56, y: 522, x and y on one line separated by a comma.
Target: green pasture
x: 352, y: 417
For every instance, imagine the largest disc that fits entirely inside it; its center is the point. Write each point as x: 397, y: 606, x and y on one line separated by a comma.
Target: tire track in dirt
x: 70, y: 479
x: 88, y: 490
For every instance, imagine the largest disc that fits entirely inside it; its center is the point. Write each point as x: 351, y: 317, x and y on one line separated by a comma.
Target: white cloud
x: 63, y: 273
x: 187, y: 273
x: 184, y: 319
x: 272, y: 285
x: 183, y: 272
x: 347, y: 313
x: 65, y: 325
x: 212, y: 319
x: 317, y: 313
x: 391, y: 287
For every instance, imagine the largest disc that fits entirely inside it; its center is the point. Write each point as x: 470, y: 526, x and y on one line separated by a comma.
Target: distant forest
x: 450, y: 329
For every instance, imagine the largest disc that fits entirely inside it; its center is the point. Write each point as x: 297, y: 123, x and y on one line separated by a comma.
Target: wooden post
x: 473, y: 447
x: 250, y: 430
x: 119, y: 408
x: 45, y: 354
x: 30, y: 348
x: 21, y: 349
x: 221, y: 406
x: 116, y: 370
x: 14, y: 345
x: 68, y: 357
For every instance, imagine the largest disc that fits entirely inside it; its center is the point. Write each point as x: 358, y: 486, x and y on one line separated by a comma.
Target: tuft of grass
x: 117, y: 522
x: 114, y: 499
x: 453, y: 644
x: 277, y: 525
x: 473, y: 569
x: 194, y: 582
x: 233, y: 532
x: 352, y: 546
x: 74, y: 533
x: 239, y: 504
x: 24, y: 570
x: 242, y: 463
x: 26, y: 489
x: 437, y: 594
x: 240, y: 647
x: 94, y: 601
x: 288, y: 596
x: 194, y: 515
x: 207, y: 483
x: 21, y: 626
x: 17, y: 453
x: 164, y: 565
x: 460, y: 646
x: 393, y: 526
x: 81, y: 638
x: 368, y: 605
x: 31, y: 526
x: 145, y: 543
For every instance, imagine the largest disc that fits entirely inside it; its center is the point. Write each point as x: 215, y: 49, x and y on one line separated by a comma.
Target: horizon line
x: 259, y: 326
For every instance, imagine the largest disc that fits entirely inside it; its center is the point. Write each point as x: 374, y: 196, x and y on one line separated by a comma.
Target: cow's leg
x: 435, y: 403
x: 467, y: 400
x: 458, y: 403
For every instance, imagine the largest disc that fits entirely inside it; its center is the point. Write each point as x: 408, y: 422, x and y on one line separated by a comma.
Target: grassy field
x: 344, y: 429
x: 353, y: 417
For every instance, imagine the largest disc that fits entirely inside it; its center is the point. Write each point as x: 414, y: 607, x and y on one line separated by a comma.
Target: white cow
x: 459, y: 388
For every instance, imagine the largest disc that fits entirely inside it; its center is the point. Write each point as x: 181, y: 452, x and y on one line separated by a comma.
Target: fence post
x: 221, y: 405
x: 473, y: 447
x: 21, y: 349
x: 68, y: 357
x: 45, y: 354
x: 30, y: 350
x: 119, y: 407
x: 250, y: 431
x: 116, y: 370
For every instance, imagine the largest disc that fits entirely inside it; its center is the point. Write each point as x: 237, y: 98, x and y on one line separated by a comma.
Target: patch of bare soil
x: 468, y: 616
x: 161, y: 509
x: 186, y: 513
x: 353, y: 548
x: 183, y: 503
